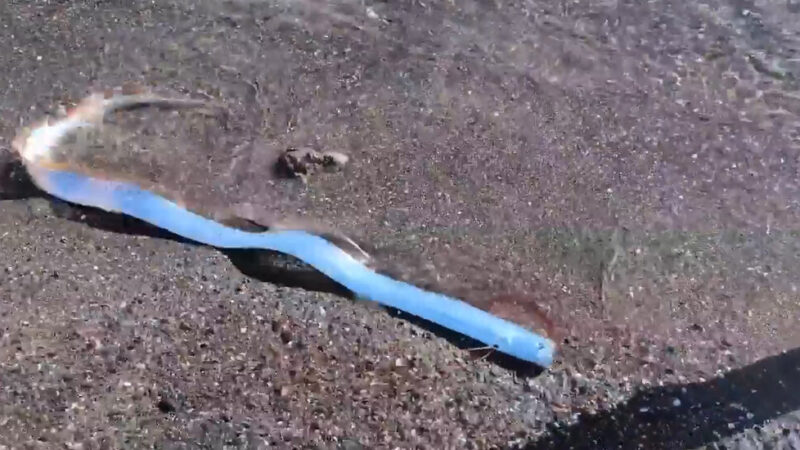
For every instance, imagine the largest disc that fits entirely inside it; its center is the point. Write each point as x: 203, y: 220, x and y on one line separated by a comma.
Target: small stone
x: 335, y: 159
x: 470, y: 417
x: 302, y: 162
x: 372, y: 14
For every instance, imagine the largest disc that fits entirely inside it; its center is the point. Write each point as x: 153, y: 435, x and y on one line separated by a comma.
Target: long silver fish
x: 343, y: 263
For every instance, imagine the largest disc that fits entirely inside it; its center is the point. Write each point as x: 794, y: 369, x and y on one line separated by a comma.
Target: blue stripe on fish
x: 329, y: 259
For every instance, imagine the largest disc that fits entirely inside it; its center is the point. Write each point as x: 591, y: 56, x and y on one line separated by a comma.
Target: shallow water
x: 631, y: 167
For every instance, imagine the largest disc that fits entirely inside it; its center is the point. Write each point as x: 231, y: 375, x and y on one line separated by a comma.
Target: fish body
x: 92, y: 189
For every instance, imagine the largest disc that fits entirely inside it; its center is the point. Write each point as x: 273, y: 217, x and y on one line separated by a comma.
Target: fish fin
x: 97, y: 105
x: 333, y: 236
x: 340, y: 240
x: 242, y: 223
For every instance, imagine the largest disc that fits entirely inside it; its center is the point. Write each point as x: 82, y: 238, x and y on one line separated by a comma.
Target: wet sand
x: 629, y: 170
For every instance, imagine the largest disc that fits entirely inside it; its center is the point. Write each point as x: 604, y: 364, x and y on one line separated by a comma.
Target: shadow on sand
x: 690, y: 415
x: 263, y: 265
